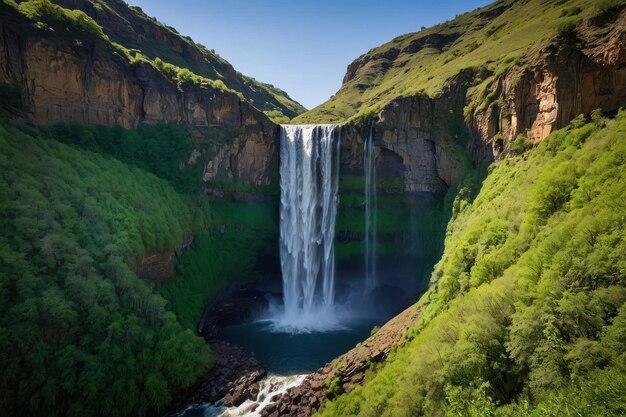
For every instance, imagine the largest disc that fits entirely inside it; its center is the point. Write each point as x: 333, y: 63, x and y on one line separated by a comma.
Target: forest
x: 77, y: 325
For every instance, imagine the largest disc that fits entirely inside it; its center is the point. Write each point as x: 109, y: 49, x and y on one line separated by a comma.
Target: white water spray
x: 309, y: 182
x: 369, y: 168
x: 270, y: 387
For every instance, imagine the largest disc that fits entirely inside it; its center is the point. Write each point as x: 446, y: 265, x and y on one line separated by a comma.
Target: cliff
x: 473, y: 84
x: 450, y: 98
x: 79, y: 77
x: 575, y: 73
x: 133, y: 29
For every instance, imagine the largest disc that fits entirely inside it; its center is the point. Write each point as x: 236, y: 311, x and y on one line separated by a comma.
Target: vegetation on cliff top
x: 487, y: 41
x: 141, y: 39
x: 526, y: 315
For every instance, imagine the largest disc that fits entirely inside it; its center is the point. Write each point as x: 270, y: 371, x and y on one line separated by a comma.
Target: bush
x: 604, y: 7
x: 61, y: 18
x: 571, y: 11
x: 520, y: 145
x: 566, y: 27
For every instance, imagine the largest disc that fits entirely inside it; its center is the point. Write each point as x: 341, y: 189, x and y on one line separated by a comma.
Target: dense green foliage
x: 154, y: 148
x: 526, y: 314
x: 75, y: 22
x: 488, y: 40
x: 80, y: 333
x: 242, y: 232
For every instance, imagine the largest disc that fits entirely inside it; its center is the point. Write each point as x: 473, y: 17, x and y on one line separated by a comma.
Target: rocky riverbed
x: 345, y: 372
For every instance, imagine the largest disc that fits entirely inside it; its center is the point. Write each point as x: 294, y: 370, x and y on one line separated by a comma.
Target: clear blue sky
x: 301, y: 46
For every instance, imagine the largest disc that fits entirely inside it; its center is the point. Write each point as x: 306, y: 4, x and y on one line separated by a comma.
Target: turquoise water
x: 284, y: 353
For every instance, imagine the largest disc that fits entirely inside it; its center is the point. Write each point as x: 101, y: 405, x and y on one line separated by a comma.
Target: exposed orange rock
x: 553, y: 85
x: 92, y: 83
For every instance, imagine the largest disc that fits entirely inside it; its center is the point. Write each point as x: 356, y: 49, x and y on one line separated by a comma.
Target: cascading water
x: 369, y: 167
x: 309, y: 182
x: 270, y: 388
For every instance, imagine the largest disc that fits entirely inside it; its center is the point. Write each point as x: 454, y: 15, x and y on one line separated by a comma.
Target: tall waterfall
x: 309, y: 182
x: 369, y: 167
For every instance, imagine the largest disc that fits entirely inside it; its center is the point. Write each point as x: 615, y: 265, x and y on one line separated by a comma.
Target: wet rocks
x: 343, y: 373
x: 234, y: 305
x: 234, y: 378
x: 245, y: 388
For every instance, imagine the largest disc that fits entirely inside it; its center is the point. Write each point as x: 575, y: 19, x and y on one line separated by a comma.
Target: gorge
x: 443, y: 237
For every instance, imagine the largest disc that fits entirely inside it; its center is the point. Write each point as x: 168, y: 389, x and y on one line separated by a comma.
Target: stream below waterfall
x: 269, y: 387
x: 317, y: 319
x: 287, y: 357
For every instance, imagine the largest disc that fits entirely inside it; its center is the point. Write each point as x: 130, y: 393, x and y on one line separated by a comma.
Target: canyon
x: 548, y: 88
x: 430, y: 151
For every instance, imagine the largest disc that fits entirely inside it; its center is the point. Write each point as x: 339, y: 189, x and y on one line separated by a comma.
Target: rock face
x: 411, y: 135
x: 344, y: 372
x: 233, y: 305
x: 549, y: 87
x: 554, y: 85
x: 92, y: 83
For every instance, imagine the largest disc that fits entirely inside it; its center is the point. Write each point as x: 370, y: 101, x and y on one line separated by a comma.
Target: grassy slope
x: 526, y: 313
x: 494, y: 37
x: 193, y: 64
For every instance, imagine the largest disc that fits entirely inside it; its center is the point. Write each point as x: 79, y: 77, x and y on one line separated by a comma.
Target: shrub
x: 604, y: 7
x: 61, y: 18
x: 520, y: 145
x: 566, y: 28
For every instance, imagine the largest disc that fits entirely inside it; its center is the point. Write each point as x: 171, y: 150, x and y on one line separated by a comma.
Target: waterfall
x: 309, y: 182
x: 369, y: 168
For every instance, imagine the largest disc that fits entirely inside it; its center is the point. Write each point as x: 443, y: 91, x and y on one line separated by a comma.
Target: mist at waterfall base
x: 320, y: 315
x: 320, y: 309
x: 287, y: 351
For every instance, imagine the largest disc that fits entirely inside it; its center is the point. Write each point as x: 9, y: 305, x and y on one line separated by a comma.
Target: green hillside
x: 77, y: 325
x: 526, y: 315
x: 79, y: 205
x: 491, y: 39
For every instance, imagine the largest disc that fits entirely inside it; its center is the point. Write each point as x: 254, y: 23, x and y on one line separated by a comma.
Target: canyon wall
x: 90, y: 82
x: 417, y: 140
x: 411, y: 135
x: 574, y: 74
